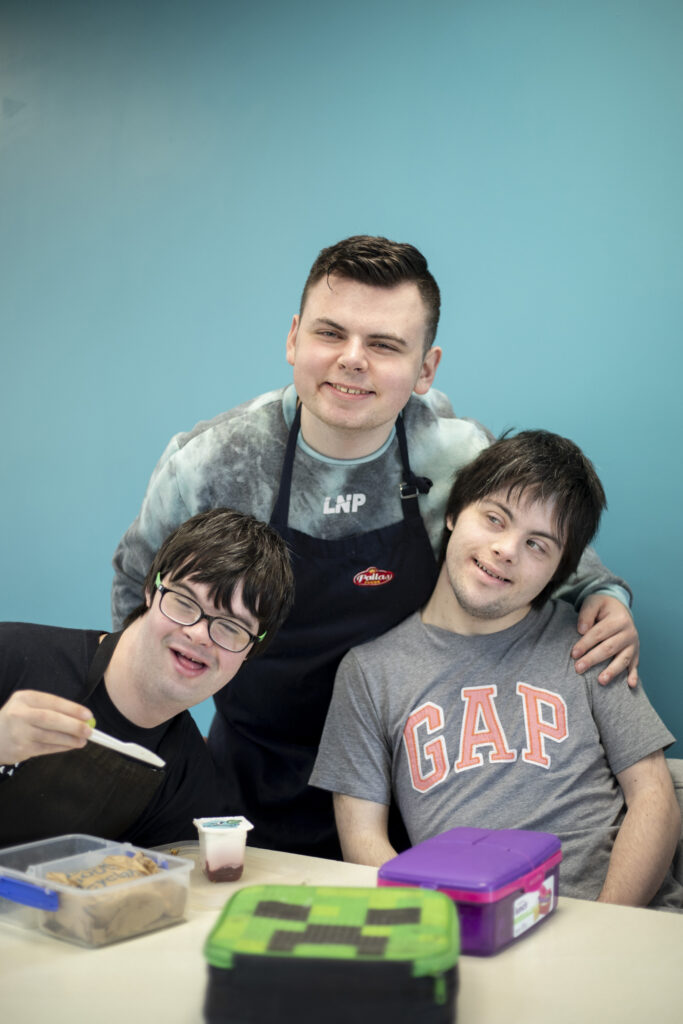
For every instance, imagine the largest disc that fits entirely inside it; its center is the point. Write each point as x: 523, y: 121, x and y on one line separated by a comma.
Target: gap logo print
x: 482, y: 734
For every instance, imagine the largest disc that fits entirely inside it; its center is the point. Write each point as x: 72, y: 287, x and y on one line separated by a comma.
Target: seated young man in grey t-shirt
x: 470, y: 712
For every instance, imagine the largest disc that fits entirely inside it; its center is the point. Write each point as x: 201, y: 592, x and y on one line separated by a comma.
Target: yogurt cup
x: 221, y: 844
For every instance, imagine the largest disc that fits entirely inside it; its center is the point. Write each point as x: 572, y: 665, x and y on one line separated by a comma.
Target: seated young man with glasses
x: 215, y: 594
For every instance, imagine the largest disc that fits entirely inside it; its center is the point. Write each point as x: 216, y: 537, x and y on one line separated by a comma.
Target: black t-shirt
x: 56, y: 660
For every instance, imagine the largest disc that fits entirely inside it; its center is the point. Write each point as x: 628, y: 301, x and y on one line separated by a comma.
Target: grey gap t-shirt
x: 493, y: 731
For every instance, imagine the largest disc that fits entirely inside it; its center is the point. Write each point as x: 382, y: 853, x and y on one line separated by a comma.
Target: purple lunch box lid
x: 473, y: 861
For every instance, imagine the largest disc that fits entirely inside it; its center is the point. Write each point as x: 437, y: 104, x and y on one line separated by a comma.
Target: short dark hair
x: 542, y: 466
x: 222, y: 548
x: 374, y: 260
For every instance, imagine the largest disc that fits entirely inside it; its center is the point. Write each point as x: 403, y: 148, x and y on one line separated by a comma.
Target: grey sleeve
x: 163, y: 509
x: 629, y: 726
x: 354, y: 756
x: 592, y: 577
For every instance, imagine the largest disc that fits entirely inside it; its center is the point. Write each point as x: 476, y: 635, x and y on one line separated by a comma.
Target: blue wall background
x: 168, y: 172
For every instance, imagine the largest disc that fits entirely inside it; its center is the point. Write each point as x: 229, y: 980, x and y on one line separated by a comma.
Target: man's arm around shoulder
x: 363, y: 830
x: 646, y: 842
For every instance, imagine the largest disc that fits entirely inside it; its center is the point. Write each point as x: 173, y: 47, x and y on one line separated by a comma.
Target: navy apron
x: 265, y: 734
x: 92, y: 789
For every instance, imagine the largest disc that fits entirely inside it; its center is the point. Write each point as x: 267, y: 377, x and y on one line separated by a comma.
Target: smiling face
x: 501, y: 554
x: 160, y: 668
x: 358, y: 354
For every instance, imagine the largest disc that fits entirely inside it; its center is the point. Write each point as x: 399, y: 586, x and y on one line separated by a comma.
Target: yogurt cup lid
x: 224, y: 824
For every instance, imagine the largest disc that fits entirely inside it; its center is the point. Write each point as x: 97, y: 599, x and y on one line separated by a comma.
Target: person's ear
x: 291, y: 340
x: 427, y: 370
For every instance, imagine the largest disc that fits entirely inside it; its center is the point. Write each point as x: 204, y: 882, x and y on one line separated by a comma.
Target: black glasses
x: 227, y: 633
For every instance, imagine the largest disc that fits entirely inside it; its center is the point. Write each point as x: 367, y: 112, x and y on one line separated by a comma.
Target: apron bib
x: 265, y: 734
x: 93, y: 789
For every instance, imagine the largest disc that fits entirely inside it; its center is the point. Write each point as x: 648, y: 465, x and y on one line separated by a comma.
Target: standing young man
x: 327, y: 461
x: 214, y: 596
x: 470, y: 712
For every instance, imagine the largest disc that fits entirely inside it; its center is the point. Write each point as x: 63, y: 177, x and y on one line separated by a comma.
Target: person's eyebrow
x: 534, y: 533
x: 179, y: 585
x: 323, y: 321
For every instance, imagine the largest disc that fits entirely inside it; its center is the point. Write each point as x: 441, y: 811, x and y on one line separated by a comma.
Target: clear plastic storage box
x: 97, y: 915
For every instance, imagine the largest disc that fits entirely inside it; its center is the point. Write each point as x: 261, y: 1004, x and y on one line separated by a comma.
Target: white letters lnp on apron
x: 345, y: 503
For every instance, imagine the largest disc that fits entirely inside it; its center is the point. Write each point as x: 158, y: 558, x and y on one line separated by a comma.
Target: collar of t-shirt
x: 289, y: 400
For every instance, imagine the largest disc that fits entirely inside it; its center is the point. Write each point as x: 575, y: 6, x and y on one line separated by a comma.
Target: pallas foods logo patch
x: 373, y: 577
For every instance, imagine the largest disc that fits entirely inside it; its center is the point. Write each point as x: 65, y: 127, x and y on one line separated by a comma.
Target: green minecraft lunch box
x: 305, y: 954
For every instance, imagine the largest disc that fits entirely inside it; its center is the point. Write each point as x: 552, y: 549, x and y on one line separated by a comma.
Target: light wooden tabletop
x: 588, y: 962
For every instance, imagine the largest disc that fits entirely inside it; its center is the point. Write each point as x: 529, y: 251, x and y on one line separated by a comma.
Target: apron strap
x: 411, y: 484
x: 98, y: 665
x: 280, y: 515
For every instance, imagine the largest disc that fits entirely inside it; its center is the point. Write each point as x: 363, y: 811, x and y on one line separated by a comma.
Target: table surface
x: 587, y: 962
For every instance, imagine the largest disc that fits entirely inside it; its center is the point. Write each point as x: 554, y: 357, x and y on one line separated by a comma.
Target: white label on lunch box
x: 532, y: 907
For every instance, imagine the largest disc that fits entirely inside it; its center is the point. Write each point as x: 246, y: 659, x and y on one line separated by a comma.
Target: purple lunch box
x: 504, y: 881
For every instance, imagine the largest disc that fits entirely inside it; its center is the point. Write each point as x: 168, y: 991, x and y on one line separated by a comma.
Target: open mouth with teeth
x: 344, y: 389
x: 192, y: 666
x: 490, y: 573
